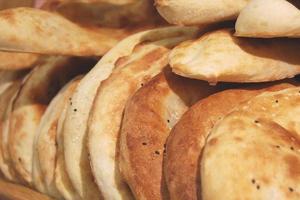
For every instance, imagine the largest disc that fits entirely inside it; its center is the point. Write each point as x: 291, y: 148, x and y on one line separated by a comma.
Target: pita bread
x: 16, y: 61
x: 106, y: 113
x: 62, y: 179
x: 148, y: 118
x: 16, y: 34
x: 187, y: 138
x: 75, y: 127
x: 5, y: 162
x: 199, y: 12
x: 272, y: 117
x: 265, y: 166
x: 36, y: 92
x: 219, y: 56
x: 44, y: 156
x: 268, y: 18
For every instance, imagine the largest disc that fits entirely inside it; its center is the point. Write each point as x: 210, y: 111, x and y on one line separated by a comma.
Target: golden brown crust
x: 45, y: 154
x: 72, y: 38
x: 6, y: 97
x: 149, y: 116
x: 253, y: 153
x: 36, y: 92
x: 188, y: 137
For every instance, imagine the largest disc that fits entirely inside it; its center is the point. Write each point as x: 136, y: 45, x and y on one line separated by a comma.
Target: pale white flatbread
x: 269, y: 18
x: 219, y: 56
x: 199, y: 12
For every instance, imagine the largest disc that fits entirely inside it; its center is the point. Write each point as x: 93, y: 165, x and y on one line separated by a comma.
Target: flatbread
x: 269, y: 18
x: 45, y: 147
x: 25, y: 30
x: 6, y: 99
x: 199, y: 12
x: 187, y: 138
x: 265, y: 130
x: 219, y: 56
x: 106, y: 114
x: 35, y: 94
x: 149, y: 116
x: 75, y: 127
x: 16, y: 61
x: 62, y: 179
x: 9, y: 85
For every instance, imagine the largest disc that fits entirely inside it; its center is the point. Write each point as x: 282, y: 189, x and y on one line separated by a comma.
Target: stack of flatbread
x: 112, y: 100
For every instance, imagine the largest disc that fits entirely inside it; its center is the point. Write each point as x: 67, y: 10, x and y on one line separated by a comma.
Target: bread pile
x: 104, y: 99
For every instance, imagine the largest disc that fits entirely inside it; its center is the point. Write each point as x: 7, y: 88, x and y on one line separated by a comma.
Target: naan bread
x: 219, y: 56
x: 75, y: 127
x: 199, y: 12
x: 255, y: 149
x: 17, y: 61
x: 36, y: 92
x: 36, y: 31
x: 149, y: 116
x: 187, y: 138
x: 269, y: 18
x: 45, y: 147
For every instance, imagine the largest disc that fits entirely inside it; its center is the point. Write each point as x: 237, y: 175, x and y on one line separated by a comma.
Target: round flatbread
x: 62, y: 179
x: 269, y: 18
x: 75, y: 127
x: 19, y: 25
x: 106, y: 114
x: 253, y: 153
x: 219, y: 56
x: 148, y: 118
x: 45, y: 147
x: 36, y: 92
x: 187, y: 138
